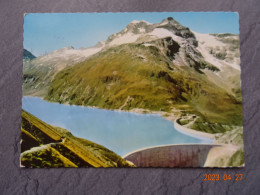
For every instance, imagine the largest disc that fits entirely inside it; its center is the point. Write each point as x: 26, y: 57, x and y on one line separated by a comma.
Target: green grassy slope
x: 135, y: 76
x: 46, y: 146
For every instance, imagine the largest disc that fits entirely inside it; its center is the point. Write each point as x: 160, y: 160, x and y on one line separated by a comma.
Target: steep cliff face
x: 43, y: 145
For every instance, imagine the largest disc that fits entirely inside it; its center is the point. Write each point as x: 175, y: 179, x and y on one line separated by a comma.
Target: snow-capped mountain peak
x: 140, y: 21
x: 214, y: 55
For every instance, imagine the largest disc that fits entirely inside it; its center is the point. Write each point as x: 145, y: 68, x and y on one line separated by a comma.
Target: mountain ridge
x: 150, y: 66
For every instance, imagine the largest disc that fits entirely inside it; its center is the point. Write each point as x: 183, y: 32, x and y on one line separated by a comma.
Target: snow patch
x: 126, y: 38
x: 206, y: 42
x: 65, y: 54
x: 136, y: 22
x: 88, y: 52
x: 141, y: 30
x: 162, y: 33
x: 147, y: 44
x: 164, y: 22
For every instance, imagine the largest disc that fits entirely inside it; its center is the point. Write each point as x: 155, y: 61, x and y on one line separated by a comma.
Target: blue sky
x: 46, y: 32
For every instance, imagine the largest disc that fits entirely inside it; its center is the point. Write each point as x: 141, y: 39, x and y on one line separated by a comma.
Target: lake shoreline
x: 173, y: 118
x: 168, y: 116
x: 191, y: 132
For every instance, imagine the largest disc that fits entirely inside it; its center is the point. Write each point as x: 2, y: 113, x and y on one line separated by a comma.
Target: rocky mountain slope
x: 43, y: 145
x: 39, y: 72
x: 158, y: 67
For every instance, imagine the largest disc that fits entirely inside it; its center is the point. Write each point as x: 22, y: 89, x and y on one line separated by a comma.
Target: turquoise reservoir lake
x: 121, y: 132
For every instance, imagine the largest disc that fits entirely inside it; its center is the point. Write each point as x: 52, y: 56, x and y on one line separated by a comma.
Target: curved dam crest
x: 175, y: 155
x: 184, y: 155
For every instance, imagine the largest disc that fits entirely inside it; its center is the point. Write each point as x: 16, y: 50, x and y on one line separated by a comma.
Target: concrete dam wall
x: 190, y: 155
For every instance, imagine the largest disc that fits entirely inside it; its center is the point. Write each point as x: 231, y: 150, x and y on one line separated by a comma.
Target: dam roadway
x: 184, y: 155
